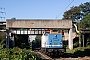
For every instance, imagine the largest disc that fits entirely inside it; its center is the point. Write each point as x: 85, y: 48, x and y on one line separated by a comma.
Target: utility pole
x: 2, y: 13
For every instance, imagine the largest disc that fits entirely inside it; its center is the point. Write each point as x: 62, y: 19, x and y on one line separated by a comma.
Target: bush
x: 18, y: 54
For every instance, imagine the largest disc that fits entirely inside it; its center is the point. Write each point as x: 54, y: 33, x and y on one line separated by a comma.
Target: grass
x: 77, y: 49
x: 74, y: 50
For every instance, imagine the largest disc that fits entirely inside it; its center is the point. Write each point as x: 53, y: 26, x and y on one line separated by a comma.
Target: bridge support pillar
x: 83, y: 39
x: 70, y: 40
x: 7, y: 38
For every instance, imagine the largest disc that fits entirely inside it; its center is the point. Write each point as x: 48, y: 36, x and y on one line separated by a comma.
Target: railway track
x: 79, y: 58
x: 45, y: 57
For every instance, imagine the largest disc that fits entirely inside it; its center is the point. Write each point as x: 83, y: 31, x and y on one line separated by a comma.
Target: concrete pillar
x: 70, y: 40
x: 7, y: 38
x: 83, y: 39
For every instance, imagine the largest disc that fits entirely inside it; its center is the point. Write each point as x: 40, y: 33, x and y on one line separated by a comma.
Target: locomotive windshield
x: 46, y: 33
x: 55, y: 31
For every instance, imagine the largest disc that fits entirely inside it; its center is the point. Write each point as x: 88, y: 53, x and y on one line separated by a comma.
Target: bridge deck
x: 34, y: 23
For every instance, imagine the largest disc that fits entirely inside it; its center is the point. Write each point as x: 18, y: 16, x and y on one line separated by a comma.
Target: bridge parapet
x: 34, y: 23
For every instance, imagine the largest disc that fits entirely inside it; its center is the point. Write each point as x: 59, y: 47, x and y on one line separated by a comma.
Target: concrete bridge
x: 38, y: 23
x: 27, y: 26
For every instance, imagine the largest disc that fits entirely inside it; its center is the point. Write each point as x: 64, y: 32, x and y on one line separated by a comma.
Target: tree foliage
x: 21, y: 41
x: 80, y: 14
x: 18, y: 54
x: 2, y: 39
x: 76, y: 13
x: 85, y: 23
x: 2, y: 36
x: 37, y: 42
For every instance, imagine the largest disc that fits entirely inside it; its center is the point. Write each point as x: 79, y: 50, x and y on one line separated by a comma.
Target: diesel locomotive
x: 52, y: 43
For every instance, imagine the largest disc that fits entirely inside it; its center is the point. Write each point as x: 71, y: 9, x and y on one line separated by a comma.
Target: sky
x: 37, y: 9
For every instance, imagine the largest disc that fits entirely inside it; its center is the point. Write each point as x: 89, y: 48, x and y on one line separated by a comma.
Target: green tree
x: 21, y: 41
x: 85, y: 23
x: 37, y: 42
x: 2, y: 38
x: 76, y: 13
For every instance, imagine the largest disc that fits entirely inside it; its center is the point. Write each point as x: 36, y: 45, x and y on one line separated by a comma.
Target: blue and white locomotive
x: 51, y: 43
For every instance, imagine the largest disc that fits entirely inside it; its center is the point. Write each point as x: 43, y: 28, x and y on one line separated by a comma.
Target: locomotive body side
x: 54, y: 41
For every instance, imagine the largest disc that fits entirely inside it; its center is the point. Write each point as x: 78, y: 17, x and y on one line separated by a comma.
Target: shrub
x: 18, y: 54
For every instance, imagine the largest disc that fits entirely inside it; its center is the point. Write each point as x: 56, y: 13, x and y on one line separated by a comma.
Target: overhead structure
x: 38, y: 25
